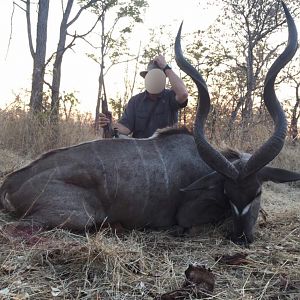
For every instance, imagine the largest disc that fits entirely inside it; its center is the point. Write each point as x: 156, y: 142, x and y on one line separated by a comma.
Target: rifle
x: 108, y: 131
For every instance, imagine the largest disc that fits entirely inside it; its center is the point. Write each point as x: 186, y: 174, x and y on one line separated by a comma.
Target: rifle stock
x: 107, y: 130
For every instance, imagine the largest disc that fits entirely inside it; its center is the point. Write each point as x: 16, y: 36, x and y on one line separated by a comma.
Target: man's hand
x: 177, y: 84
x: 161, y: 61
x: 103, y: 120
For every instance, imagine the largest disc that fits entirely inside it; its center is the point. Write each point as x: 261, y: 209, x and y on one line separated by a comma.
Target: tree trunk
x: 36, y: 98
x: 248, y: 109
x: 233, y: 116
x: 99, y: 98
x: 56, y: 77
x: 295, y: 116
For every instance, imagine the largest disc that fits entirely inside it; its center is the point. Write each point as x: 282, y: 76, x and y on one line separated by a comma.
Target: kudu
x: 157, y: 182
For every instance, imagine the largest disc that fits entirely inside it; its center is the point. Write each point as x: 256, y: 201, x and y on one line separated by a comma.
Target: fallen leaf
x: 201, y: 277
x: 199, y: 283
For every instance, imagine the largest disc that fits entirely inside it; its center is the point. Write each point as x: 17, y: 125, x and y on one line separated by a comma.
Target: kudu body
x: 157, y: 182
x: 132, y: 182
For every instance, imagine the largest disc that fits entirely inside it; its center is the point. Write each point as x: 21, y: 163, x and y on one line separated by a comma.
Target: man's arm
x: 126, y: 123
x: 103, y: 121
x: 176, y: 82
x: 122, y: 129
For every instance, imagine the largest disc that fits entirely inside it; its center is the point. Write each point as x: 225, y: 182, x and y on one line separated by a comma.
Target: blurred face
x: 155, y: 81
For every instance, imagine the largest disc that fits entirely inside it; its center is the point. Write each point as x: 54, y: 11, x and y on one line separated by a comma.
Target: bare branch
x: 82, y: 36
x: 109, y: 35
x: 48, y: 84
x: 11, y: 29
x: 29, y: 28
x: 62, y: 6
x: 89, y: 43
x: 16, y: 4
x: 81, y: 10
x: 135, y: 72
x: 266, y: 59
x: 70, y: 45
x: 50, y: 58
x: 120, y: 62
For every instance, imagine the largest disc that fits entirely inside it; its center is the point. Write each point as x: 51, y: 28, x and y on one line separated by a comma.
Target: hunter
x: 154, y: 108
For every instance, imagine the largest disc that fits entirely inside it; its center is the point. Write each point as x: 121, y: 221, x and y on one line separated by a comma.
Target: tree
x: 61, y: 49
x: 38, y: 52
x: 233, y: 55
x: 295, y: 110
x: 118, y: 103
x: 69, y: 101
x: 252, y: 23
x: 39, y: 55
x: 292, y: 78
x: 113, y: 39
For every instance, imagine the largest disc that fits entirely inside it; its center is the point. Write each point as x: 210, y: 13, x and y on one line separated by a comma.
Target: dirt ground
x: 143, y: 265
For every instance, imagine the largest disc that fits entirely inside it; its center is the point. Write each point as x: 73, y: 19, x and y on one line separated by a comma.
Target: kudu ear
x: 277, y: 175
x: 207, y: 182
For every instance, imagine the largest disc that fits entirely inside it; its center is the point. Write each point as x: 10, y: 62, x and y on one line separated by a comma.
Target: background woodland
x: 233, y: 55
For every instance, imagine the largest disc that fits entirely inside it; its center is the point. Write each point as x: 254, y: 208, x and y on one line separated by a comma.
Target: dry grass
x: 140, y: 265
x: 27, y: 135
x: 289, y: 158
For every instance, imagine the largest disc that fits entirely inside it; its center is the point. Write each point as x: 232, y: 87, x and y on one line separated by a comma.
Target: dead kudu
x: 157, y: 182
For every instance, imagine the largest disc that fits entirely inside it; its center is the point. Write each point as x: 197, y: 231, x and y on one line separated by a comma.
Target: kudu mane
x: 161, y: 133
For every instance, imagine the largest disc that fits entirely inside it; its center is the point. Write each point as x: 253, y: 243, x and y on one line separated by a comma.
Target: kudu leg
x: 59, y: 205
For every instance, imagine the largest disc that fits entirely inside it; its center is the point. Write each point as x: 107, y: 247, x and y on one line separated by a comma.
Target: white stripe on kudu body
x: 166, y: 177
x: 117, y: 180
x: 105, y: 186
x: 147, y: 187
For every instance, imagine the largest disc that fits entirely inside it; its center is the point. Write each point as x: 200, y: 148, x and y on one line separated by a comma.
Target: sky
x: 80, y: 73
